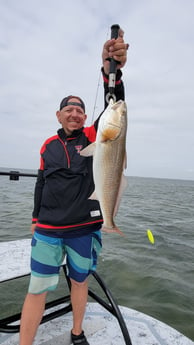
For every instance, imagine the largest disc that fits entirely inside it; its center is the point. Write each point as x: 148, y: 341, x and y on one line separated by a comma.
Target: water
x: 155, y: 279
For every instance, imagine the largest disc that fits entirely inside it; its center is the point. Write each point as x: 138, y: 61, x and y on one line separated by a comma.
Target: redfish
x: 109, y: 162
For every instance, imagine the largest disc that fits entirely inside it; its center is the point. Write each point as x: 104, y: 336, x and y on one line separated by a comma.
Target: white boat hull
x: 102, y: 328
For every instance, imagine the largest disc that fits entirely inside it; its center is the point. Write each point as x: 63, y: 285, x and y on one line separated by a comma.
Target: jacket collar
x: 74, y: 134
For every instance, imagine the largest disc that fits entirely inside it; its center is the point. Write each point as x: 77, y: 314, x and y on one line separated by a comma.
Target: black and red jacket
x: 62, y: 207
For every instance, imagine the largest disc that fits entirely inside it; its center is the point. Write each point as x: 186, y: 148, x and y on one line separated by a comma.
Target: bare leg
x: 79, y: 296
x: 32, y: 313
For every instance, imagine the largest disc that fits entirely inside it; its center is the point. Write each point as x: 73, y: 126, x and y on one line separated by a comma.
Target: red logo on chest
x: 78, y: 148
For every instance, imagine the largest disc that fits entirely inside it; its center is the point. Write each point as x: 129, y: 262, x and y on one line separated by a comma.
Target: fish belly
x: 108, y: 168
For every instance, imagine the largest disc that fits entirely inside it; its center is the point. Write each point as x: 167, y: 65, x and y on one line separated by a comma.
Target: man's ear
x: 58, y: 115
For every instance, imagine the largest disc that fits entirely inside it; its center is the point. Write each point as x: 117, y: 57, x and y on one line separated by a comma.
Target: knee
x: 40, y: 296
x: 76, y: 284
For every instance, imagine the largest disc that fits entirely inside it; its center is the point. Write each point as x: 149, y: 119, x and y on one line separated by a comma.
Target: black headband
x: 76, y: 103
x: 66, y: 102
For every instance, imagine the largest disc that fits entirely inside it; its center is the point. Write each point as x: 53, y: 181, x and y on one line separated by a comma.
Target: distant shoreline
x: 35, y: 171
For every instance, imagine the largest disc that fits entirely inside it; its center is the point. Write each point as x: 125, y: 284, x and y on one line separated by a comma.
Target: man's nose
x: 74, y: 113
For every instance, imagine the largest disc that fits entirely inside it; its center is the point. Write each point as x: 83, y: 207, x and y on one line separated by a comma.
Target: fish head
x: 112, y: 120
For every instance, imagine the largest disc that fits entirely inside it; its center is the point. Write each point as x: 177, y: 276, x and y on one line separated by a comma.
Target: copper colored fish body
x: 109, y: 161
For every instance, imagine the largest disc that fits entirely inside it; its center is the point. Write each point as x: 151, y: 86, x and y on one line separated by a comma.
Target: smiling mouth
x: 74, y: 123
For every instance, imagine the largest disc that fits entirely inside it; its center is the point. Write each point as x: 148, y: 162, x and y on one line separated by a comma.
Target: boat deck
x: 102, y: 324
x: 102, y: 328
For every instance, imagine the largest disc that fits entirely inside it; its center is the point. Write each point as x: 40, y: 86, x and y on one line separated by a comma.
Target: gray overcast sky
x: 49, y: 49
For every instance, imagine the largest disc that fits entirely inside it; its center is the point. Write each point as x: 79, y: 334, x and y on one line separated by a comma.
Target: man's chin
x: 74, y: 128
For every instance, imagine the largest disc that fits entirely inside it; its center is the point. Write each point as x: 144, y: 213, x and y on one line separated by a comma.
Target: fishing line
x: 97, y: 90
x: 98, y: 85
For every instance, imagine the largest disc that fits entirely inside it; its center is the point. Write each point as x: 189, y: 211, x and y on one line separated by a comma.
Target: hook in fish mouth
x: 110, y: 97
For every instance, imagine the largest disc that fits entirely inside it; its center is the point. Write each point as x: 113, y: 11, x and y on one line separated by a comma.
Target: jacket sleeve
x: 38, y: 195
x: 119, y: 86
x: 119, y: 90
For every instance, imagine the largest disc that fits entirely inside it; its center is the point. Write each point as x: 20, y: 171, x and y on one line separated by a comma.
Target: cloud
x: 51, y: 49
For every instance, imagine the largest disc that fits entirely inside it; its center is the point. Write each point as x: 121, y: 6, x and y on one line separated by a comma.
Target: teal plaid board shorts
x: 48, y: 253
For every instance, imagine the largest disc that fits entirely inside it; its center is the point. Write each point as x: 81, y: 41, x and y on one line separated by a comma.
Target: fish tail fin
x: 111, y: 230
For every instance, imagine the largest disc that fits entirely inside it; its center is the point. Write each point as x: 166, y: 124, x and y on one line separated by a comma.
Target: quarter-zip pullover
x: 62, y: 207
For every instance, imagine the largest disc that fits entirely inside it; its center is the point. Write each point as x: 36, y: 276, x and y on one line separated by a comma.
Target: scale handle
x: 114, y: 34
x: 115, y: 31
x: 113, y: 63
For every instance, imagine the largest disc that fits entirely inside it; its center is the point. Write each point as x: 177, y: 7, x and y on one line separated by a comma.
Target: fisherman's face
x: 71, y: 117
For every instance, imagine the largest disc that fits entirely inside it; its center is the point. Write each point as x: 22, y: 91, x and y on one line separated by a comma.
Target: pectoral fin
x: 93, y: 196
x: 88, y: 150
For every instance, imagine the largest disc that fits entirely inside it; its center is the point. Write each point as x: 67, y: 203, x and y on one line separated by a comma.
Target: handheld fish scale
x: 113, y: 67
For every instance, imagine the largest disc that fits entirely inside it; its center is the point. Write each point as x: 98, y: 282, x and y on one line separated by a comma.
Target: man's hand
x: 33, y: 226
x: 117, y: 49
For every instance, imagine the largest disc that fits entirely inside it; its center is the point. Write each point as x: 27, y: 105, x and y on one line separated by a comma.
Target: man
x: 65, y: 221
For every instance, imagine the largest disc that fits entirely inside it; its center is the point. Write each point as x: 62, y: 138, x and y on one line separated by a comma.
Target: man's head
x: 71, y: 114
